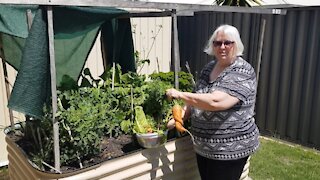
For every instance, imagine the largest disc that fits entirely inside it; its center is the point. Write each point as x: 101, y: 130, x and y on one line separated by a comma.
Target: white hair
x: 232, y: 33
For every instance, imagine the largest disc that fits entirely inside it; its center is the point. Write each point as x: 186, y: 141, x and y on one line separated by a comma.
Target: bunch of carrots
x: 177, y: 116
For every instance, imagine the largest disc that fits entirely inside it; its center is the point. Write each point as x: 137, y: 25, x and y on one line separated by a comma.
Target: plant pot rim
x: 165, y: 133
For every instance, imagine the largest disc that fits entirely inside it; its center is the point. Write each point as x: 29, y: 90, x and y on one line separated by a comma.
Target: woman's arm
x: 215, y: 101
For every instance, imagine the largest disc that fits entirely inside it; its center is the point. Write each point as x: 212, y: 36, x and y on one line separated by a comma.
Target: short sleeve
x: 239, y: 82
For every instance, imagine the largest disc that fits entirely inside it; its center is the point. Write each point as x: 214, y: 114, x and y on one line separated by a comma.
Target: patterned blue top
x: 230, y: 134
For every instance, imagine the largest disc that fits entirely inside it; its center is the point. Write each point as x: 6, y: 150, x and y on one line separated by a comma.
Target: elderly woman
x: 222, y: 108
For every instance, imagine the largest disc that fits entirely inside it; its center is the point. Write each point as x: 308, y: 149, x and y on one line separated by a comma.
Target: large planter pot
x: 174, y: 160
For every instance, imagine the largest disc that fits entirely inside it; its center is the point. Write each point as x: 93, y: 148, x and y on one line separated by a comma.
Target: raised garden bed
x: 174, y: 160
x: 98, y: 126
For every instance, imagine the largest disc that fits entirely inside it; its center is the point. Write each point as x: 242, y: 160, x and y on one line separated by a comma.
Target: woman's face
x: 223, y: 47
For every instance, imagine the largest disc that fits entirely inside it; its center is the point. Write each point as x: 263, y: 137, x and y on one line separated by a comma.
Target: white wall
x: 94, y: 61
x: 152, y: 39
x: 4, y: 111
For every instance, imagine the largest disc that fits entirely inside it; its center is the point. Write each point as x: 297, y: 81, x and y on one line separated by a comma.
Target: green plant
x: 37, y: 139
x: 142, y: 123
x: 185, y: 79
x: 4, y: 174
x: 107, y: 106
x: 90, y: 114
x: 97, y: 109
x: 155, y: 105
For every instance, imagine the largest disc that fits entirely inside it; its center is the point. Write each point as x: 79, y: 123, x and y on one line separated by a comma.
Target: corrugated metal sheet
x: 94, y: 61
x: 288, y: 94
x: 4, y: 111
x: 174, y: 160
x: 152, y: 39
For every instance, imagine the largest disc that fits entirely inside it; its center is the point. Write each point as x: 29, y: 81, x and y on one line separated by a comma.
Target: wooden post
x: 53, y: 89
x: 148, y: 5
x: 263, y: 27
x: 176, y: 49
x: 29, y: 18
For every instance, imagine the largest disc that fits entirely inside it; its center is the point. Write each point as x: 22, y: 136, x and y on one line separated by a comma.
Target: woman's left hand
x: 171, y: 124
x: 173, y: 93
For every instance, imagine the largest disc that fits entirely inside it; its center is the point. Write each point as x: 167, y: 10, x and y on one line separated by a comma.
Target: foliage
x: 247, y: 3
x: 151, y: 97
x: 111, y: 105
x: 185, y: 79
x: 104, y: 107
x: 90, y: 114
x: 38, y: 139
x: 140, y: 62
x: 142, y: 124
x: 4, y: 173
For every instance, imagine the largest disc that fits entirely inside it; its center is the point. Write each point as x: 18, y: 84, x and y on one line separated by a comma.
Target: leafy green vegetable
x: 156, y: 103
x: 126, y: 126
x: 142, y: 124
x: 185, y: 79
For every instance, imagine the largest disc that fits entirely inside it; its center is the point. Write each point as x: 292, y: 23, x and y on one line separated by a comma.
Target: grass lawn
x: 4, y: 173
x: 276, y: 160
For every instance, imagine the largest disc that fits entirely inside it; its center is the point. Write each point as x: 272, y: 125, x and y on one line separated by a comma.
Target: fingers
x: 171, y: 124
x: 169, y: 92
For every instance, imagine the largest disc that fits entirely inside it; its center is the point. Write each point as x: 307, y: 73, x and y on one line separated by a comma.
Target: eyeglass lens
x: 219, y: 43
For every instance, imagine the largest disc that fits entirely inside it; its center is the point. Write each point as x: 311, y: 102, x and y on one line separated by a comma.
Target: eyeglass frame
x: 226, y: 43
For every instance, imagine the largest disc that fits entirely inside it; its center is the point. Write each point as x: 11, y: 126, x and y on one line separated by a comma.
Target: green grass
x: 276, y: 160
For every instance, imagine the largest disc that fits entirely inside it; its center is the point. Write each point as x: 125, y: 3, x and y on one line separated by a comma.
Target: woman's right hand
x: 173, y: 93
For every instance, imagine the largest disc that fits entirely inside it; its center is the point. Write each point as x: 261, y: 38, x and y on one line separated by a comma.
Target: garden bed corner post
x: 53, y: 89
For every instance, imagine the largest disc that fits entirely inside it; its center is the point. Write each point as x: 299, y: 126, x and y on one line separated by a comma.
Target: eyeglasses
x: 219, y: 43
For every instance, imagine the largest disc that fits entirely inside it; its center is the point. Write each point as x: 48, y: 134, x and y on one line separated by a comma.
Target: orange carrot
x: 177, y: 116
x: 177, y: 113
x: 180, y: 128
